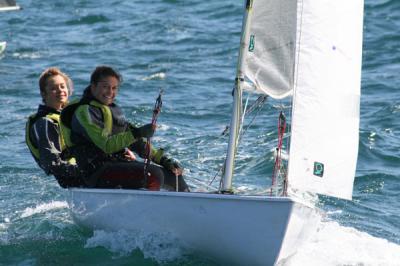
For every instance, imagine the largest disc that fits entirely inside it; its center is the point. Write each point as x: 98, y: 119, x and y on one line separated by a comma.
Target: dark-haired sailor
x: 43, y: 133
x: 97, y: 133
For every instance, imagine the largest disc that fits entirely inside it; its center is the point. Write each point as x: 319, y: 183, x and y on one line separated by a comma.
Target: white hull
x: 10, y: 8
x: 242, y: 230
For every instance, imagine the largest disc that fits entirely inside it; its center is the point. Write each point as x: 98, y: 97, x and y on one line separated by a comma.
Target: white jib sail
x: 325, y: 115
x: 7, y: 5
x: 269, y: 56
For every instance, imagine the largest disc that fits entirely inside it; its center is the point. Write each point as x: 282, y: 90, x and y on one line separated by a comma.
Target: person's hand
x: 173, y: 166
x: 177, y: 171
x: 129, y: 155
x: 146, y: 131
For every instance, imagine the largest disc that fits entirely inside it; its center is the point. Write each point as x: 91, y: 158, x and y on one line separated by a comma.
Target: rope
x: 278, y: 157
x: 156, y: 112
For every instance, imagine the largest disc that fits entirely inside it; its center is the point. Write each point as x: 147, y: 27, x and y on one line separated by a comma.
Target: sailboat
x: 7, y: 5
x: 310, y: 51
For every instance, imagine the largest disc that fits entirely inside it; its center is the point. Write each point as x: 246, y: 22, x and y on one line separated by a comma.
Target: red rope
x: 278, y: 157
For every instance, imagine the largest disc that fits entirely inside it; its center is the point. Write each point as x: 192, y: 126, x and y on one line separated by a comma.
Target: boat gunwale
x: 209, y: 195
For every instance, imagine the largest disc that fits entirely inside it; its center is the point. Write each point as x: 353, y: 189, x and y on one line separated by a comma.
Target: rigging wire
x: 256, y: 106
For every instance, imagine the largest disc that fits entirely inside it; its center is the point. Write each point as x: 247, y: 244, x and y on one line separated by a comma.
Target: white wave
x: 335, y: 245
x: 159, y: 247
x: 334, y: 212
x: 396, y: 108
x: 44, y: 208
x: 27, y: 55
x: 160, y: 75
x: 163, y: 127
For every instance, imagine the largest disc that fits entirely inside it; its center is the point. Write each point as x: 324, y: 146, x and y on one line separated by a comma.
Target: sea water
x: 188, y: 48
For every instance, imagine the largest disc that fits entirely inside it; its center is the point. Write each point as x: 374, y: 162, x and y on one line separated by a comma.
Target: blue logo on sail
x: 318, y: 169
x: 251, y: 44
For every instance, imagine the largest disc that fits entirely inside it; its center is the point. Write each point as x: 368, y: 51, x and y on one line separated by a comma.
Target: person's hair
x: 51, y: 72
x: 102, y: 72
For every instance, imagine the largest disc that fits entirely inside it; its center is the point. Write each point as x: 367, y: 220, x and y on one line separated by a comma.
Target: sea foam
x: 159, y: 247
x: 44, y: 207
x: 335, y: 245
x: 159, y: 76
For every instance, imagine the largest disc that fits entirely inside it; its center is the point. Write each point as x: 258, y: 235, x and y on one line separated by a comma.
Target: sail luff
x: 237, y: 104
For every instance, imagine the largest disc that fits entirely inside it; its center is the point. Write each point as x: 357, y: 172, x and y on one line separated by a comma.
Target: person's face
x: 56, y: 92
x: 105, y: 90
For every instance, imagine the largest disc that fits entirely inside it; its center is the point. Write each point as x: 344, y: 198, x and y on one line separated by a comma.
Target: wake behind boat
x: 307, y: 49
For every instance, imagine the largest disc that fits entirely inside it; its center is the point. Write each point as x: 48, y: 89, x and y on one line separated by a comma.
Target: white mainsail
x: 8, y: 5
x: 324, y: 140
x: 311, y: 49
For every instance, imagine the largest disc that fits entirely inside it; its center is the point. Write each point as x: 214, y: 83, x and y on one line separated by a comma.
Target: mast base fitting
x: 229, y: 192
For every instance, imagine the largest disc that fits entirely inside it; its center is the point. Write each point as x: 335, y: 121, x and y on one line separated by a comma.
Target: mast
x: 237, y: 105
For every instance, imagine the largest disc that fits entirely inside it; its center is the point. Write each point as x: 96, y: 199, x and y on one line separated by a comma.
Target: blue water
x: 189, y: 48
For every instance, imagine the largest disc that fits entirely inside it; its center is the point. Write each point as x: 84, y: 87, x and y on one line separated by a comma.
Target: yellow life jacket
x: 33, y: 148
x: 68, y: 112
x: 66, y: 120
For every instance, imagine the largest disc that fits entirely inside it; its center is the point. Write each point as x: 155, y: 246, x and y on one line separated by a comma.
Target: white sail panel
x: 7, y: 5
x: 325, y: 125
x: 269, y: 55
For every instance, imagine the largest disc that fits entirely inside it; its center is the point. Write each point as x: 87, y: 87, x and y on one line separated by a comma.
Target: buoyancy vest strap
x: 56, y: 119
x: 65, y: 121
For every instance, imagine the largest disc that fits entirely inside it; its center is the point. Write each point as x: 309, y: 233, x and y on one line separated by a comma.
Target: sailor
x: 43, y: 133
x: 98, y: 134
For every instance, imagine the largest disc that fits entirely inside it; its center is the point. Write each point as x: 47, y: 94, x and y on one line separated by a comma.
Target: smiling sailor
x: 100, y: 138
x: 43, y: 132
